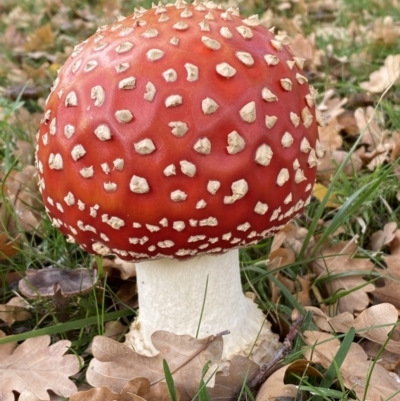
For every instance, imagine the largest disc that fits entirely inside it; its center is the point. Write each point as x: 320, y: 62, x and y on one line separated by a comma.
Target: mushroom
x: 172, y: 138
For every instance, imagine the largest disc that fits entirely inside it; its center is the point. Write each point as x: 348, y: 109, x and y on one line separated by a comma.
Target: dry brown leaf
x: 337, y: 259
x: 40, y: 39
x: 386, y: 31
x: 135, y: 390
x: 388, y: 74
x: 114, y: 329
x: 329, y: 135
x: 29, y: 396
x: 369, y: 381
x: 43, y: 283
x: 115, y: 364
x: 395, y: 153
x: 370, y: 123
x: 331, y: 106
x: 303, y: 296
x: 395, y: 245
x: 387, y: 288
x: 374, y: 323
x: 381, y: 238
x: 14, y: 311
x: 8, y: 248
x: 127, y: 269
x: 306, y: 48
x: 275, y: 387
x: 37, y: 367
x: 329, y: 163
x: 21, y: 189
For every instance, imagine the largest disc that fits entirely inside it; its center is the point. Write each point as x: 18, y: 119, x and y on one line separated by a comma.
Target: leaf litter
x: 360, y: 293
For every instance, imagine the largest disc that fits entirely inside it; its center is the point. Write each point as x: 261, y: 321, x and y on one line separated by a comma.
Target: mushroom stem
x: 172, y: 295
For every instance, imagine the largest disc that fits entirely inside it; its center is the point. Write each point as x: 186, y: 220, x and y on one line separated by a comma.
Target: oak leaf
x: 374, y: 323
x: 338, y: 260
x: 383, y: 237
x: 275, y: 388
x: 14, y: 311
x: 138, y: 389
x: 388, y: 74
x: 115, y: 364
x: 37, y: 367
x: 369, y: 381
x: 387, y: 288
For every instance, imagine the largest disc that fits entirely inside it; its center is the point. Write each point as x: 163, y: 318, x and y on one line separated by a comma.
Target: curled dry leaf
x: 305, y: 47
x: 374, y: 323
x: 339, y: 259
x: 44, y: 282
x: 126, y: 269
x: 35, y: 358
x: 387, y: 287
x: 291, y: 237
x: 275, y: 387
x: 114, y: 329
x: 331, y: 106
x: 138, y: 389
x: 332, y: 159
x: 387, y: 75
x: 369, y: 123
x: 21, y: 189
x: 356, y: 372
x: 329, y: 135
x: 8, y: 248
x: 115, y: 364
x: 381, y: 238
x: 14, y: 311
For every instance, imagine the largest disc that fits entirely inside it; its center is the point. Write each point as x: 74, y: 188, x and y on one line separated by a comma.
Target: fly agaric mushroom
x: 172, y: 138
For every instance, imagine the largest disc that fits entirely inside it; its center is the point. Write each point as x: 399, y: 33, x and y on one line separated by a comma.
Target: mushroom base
x: 172, y: 295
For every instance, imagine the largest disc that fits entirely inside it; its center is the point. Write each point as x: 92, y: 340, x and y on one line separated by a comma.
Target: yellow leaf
x: 320, y: 191
x: 40, y: 39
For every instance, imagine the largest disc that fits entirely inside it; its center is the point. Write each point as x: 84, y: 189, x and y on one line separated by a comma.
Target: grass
x: 367, y: 196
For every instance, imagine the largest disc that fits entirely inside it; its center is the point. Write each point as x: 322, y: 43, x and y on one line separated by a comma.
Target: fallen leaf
x: 329, y: 135
x: 126, y: 269
x: 14, y: 311
x: 305, y: 47
x: 370, y: 123
x: 114, y: 329
x: 338, y: 259
x: 368, y: 380
x: 115, y: 364
x: 331, y: 106
x: 8, y: 248
x: 275, y: 387
x: 137, y: 389
x: 374, y: 323
x: 42, y: 283
x: 387, y: 288
x: 37, y: 367
x: 381, y: 238
x: 388, y: 74
x: 320, y: 190
x: 22, y: 191
x: 40, y: 39
x: 303, y: 296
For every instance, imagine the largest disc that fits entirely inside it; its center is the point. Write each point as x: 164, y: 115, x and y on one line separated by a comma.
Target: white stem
x: 172, y: 295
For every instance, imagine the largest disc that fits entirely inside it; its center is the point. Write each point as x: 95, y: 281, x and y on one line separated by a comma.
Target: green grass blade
x: 331, y: 373
x: 68, y: 326
x: 170, y: 381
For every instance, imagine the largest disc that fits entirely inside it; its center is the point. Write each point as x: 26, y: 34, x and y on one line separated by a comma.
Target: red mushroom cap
x: 178, y: 131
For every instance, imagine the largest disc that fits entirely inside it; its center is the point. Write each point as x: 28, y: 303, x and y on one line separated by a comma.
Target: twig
x: 283, y: 351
